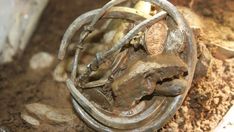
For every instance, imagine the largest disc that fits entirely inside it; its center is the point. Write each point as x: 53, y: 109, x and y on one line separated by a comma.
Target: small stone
x: 184, y: 109
x: 232, y: 102
x: 226, y: 90
x: 216, y: 101
x: 30, y: 120
x: 4, y: 129
x: 38, y: 109
x: 206, y: 122
x: 174, y: 126
x: 224, y: 50
x: 61, y: 116
x: 41, y: 60
x: 180, y: 120
x: 55, y: 115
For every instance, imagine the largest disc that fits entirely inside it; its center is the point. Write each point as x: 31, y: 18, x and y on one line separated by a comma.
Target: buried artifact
x: 141, y: 80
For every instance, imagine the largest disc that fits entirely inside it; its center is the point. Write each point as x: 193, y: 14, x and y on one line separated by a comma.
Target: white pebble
x: 41, y: 60
x: 30, y: 120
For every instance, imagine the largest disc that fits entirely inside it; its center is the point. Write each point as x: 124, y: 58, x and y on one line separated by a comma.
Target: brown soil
x: 19, y: 85
x: 207, y: 102
x: 211, y: 96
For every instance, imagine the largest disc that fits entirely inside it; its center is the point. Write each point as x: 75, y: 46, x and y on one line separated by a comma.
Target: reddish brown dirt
x: 210, y: 97
x: 208, y: 100
x: 19, y: 85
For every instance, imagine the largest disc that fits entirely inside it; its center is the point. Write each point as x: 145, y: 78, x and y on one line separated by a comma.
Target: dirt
x: 20, y: 85
x: 207, y: 102
x: 211, y: 96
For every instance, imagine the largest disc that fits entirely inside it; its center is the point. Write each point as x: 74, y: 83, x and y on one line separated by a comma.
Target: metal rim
x: 174, y: 102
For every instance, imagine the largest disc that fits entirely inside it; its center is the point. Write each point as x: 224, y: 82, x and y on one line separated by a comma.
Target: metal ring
x: 175, y: 102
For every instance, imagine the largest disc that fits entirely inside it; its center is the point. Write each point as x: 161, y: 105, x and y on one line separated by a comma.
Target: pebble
x: 216, y: 101
x: 184, y: 109
x: 174, y: 126
x: 60, y: 116
x: 45, y: 113
x: 180, y: 120
x: 4, y: 129
x: 30, y: 120
x: 41, y: 60
x: 232, y: 102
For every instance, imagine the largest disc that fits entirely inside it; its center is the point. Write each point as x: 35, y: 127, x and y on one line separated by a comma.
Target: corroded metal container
x: 148, y: 71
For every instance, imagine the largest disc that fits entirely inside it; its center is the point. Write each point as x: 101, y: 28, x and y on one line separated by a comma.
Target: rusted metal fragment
x: 175, y: 42
x: 155, y: 38
x: 171, y: 88
x: 141, y: 76
x: 123, y: 42
x: 83, y: 20
x: 175, y: 38
x: 204, y: 59
x: 95, y: 84
x: 98, y: 98
x: 120, y: 61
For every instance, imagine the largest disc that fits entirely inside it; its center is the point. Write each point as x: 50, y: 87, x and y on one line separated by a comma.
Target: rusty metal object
x: 134, y: 75
x: 101, y: 56
x: 81, y: 21
x: 140, y: 78
x: 171, y: 88
x: 115, y: 12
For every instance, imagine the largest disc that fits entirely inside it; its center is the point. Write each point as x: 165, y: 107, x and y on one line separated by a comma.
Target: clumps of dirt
x: 220, y: 10
x: 212, y: 95
x: 208, y: 100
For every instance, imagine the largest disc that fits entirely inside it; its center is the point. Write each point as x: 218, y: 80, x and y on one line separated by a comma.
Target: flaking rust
x: 142, y: 75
